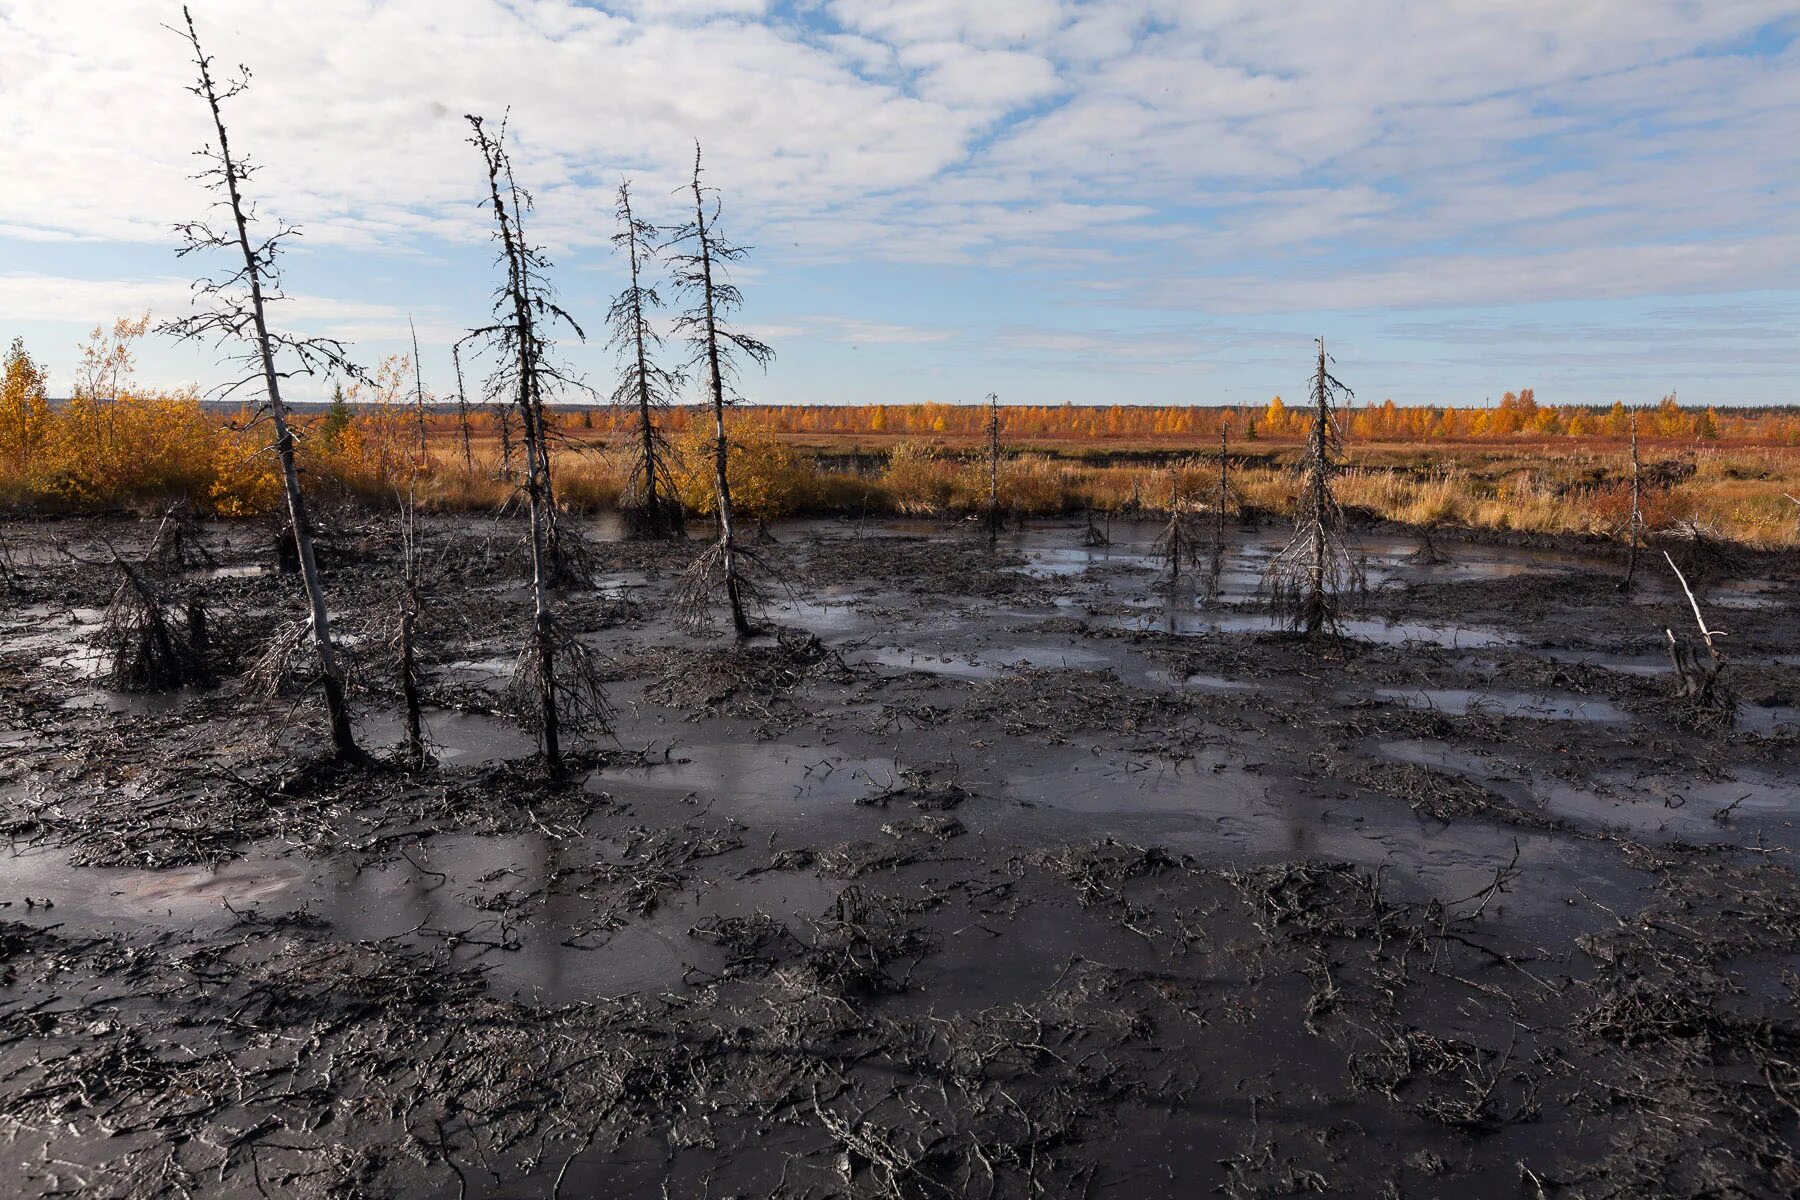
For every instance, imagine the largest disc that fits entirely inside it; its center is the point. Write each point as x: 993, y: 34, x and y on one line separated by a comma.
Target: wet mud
x: 987, y: 871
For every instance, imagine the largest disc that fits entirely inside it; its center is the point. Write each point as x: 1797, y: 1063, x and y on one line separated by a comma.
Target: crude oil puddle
x: 1540, y: 706
x: 987, y: 665
x: 1391, y: 633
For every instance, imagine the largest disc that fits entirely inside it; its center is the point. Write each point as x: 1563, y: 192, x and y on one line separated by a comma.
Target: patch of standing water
x: 1540, y: 706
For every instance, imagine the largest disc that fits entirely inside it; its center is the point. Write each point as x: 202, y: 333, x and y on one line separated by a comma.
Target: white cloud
x: 1233, y: 154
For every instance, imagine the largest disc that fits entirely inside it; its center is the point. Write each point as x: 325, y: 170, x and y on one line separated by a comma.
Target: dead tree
x: 234, y: 310
x: 1093, y: 536
x: 1307, y: 580
x: 716, y: 348
x: 462, y: 413
x: 524, y: 369
x: 1634, y: 521
x: 993, y: 434
x: 651, y: 505
x: 178, y: 544
x: 1221, y: 505
x: 407, y: 634
x: 1700, y: 681
x: 1176, y: 543
x: 418, y: 395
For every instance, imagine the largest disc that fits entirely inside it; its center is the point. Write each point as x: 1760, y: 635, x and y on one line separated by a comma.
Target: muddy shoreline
x: 1009, y: 872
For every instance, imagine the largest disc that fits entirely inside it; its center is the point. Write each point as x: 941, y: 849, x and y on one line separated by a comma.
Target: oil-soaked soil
x: 1026, y: 874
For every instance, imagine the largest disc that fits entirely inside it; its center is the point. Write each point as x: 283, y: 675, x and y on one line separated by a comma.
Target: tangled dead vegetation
x: 754, y: 681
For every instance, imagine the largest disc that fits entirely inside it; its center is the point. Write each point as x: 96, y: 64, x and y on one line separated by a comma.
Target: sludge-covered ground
x: 1023, y: 874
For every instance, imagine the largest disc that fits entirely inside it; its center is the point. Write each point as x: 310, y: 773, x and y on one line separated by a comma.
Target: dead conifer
x: 1634, y: 520
x: 1093, y: 536
x: 421, y: 450
x: 651, y: 505
x: 462, y: 413
x: 234, y: 309
x: 717, y: 347
x: 1177, y: 543
x: 524, y: 305
x: 148, y: 649
x: 179, y: 543
x: 1700, y: 679
x: 1307, y: 580
x: 1222, y: 502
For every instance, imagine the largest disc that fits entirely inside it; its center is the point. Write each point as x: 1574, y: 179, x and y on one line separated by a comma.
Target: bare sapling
x: 651, y: 505
x: 1307, y: 581
x: 1700, y: 677
x: 1634, y: 520
x: 233, y: 309
x: 993, y: 466
x: 522, y: 303
x: 716, y: 349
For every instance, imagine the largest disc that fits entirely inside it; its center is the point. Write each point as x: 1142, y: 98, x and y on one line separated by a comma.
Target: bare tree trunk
x: 721, y: 448
x: 342, y: 735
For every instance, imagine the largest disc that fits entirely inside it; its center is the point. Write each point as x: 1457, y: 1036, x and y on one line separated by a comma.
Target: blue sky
x: 1133, y: 201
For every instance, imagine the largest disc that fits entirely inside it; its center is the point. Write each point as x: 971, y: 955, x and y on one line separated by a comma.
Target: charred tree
x: 234, y: 310
x: 699, y: 272
x: 523, y: 303
x: 651, y: 506
x: 1308, y: 579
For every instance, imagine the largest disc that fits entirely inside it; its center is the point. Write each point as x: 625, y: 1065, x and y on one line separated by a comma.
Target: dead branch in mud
x: 237, y: 314
x: 1092, y: 536
x: 1307, y: 581
x: 1700, y: 682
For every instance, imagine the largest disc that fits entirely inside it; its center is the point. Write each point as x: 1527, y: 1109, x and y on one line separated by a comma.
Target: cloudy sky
x: 1127, y: 200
